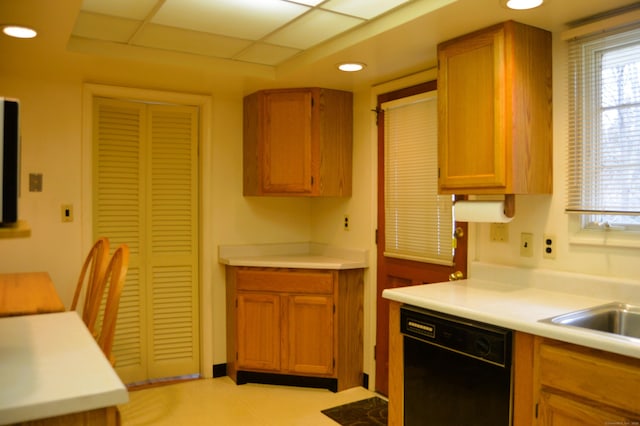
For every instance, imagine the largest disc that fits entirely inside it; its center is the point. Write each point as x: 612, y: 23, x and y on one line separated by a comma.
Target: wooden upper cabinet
x: 298, y: 142
x: 495, y: 112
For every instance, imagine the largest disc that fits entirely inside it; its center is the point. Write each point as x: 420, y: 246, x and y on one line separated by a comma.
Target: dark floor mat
x: 368, y: 412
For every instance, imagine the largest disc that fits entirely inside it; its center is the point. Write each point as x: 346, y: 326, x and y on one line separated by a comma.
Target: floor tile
x: 221, y: 402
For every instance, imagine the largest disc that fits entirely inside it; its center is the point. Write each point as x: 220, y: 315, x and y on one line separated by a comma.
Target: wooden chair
x: 92, y: 273
x: 113, y: 283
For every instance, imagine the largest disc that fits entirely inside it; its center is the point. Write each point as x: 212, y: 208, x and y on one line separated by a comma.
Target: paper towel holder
x: 505, y: 214
x: 509, y: 205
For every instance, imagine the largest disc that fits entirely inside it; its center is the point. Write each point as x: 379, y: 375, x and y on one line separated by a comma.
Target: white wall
x: 52, y: 144
x: 51, y: 100
x: 544, y: 214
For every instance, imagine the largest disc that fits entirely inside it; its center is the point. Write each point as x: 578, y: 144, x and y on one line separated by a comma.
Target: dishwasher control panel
x: 472, y: 338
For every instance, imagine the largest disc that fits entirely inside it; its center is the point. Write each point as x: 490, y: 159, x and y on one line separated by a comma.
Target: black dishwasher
x: 456, y: 371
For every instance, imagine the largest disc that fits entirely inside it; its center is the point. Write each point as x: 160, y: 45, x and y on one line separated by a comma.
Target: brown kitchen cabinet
x: 578, y: 385
x: 297, y: 326
x: 495, y: 112
x: 298, y: 142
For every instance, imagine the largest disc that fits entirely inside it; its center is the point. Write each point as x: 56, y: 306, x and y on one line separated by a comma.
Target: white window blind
x: 418, y: 221
x: 604, y: 145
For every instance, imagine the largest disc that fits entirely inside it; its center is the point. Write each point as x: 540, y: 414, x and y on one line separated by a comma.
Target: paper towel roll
x: 480, y: 211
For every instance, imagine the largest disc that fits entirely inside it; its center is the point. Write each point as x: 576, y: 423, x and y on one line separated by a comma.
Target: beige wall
x: 51, y: 92
x: 544, y: 214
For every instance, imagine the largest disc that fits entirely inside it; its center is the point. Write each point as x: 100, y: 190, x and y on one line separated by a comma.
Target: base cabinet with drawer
x: 576, y: 385
x: 295, y: 326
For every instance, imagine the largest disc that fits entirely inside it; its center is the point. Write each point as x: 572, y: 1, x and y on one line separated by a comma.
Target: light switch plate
x: 66, y: 212
x: 526, y: 244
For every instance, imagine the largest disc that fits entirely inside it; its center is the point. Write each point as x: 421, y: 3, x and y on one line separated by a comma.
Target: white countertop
x: 50, y: 365
x: 518, y: 299
x: 292, y: 255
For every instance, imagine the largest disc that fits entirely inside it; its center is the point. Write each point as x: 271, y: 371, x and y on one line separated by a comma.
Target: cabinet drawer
x: 285, y: 281
x: 599, y: 376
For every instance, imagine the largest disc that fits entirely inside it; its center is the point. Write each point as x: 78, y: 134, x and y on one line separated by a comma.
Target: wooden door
x: 310, y: 334
x: 287, y: 145
x: 258, y: 327
x: 394, y: 272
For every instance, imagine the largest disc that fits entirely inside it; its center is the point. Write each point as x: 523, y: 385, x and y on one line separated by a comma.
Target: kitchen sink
x: 616, y: 318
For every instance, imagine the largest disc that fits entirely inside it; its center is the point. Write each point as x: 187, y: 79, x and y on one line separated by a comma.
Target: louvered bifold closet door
x: 173, y: 241
x: 118, y: 200
x: 146, y: 196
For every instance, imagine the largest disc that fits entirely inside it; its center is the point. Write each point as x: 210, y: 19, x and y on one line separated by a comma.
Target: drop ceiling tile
x: 367, y: 9
x: 246, y: 19
x: 170, y: 38
x: 103, y: 27
x: 308, y: 2
x: 266, y: 54
x: 137, y: 9
x: 313, y: 28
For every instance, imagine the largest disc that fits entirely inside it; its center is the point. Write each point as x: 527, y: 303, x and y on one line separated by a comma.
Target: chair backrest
x: 92, y: 272
x: 113, y: 282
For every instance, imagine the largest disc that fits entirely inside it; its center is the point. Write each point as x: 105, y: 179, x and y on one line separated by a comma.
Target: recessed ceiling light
x: 19, y: 32
x: 523, y: 4
x: 351, y: 66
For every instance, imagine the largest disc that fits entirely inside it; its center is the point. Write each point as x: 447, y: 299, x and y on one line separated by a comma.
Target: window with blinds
x: 419, y: 223
x: 604, y: 145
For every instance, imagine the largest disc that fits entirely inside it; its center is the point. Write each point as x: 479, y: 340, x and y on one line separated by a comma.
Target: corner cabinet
x: 298, y: 142
x: 495, y: 112
x: 577, y: 385
x: 295, y: 326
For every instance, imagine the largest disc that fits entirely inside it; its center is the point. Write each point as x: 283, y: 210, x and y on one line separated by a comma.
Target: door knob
x: 457, y: 275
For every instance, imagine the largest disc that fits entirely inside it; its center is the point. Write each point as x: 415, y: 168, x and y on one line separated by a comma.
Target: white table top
x: 50, y: 365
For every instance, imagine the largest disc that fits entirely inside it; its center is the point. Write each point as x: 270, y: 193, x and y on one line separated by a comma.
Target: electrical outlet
x: 66, y: 212
x: 526, y: 244
x: 549, y: 248
x: 499, y: 232
x: 345, y: 226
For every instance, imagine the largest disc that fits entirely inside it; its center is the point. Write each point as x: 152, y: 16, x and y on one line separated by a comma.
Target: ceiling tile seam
x: 265, y: 36
x: 297, y: 18
x: 145, y: 22
x: 238, y: 54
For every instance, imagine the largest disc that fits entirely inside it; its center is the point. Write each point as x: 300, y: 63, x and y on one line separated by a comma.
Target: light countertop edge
x: 516, y: 307
x: 52, y: 373
x: 306, y: 255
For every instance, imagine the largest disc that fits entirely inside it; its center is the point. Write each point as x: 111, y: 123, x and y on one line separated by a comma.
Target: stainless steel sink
x: 616, y: 318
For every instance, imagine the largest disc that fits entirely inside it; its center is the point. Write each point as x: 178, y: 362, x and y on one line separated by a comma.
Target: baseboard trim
x: 219, y: 370
x: 244, y: 377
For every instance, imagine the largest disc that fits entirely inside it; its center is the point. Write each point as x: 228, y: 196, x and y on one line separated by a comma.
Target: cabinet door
x: 310, y: 334
x: 556, y: 410
x: 258, y: 328
x: 287, y: 146
x: 471, y: 99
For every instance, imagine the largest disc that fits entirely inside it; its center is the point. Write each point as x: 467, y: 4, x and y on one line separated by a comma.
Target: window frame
x: 583, y: 227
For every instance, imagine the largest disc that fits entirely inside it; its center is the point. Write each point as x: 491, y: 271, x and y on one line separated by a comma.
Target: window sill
x: 602, y: 238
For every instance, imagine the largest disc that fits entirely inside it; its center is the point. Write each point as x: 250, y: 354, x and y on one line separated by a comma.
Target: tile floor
x: 221, y: 402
